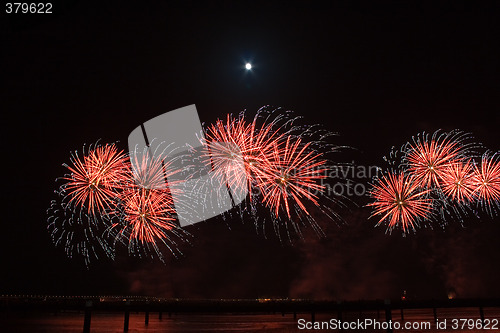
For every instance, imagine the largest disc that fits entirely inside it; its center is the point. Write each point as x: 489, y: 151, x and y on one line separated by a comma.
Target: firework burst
x: 81, y: 213
x: 427, y: 159
x: 147, y: 213
x: 400, y: 201
x: 486, y: 179
x: 148, y: 220
x: 279, y: 163
x: 457, y: 182
x: 291, y: 176
x: 95, y: 178
x: 237, y: 150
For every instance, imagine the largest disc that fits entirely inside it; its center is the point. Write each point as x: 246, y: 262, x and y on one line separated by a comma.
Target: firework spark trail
x: 400, y: 201
x: 486, y: 179
x: 232, y: 152
x: 112, y: 164
x: 95, y: 178
x: 79, y: 233
x: 428, y: 158
x: 457, y: 182
x: 149, y: 170
x: 147, y: 221
x: 238, y: 149
x: 147, y: 212
x: 292, y: 173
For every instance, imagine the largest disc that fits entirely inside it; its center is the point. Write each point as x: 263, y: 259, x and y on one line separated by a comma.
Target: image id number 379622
x: 28, y: 8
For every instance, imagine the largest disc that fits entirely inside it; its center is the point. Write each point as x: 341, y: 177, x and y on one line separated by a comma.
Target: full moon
x: 248, y: 66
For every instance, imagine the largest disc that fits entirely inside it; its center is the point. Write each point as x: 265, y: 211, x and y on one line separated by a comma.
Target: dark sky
x: 375, y: 72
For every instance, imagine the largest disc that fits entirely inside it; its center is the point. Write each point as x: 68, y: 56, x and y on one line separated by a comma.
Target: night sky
x: 376, y: 73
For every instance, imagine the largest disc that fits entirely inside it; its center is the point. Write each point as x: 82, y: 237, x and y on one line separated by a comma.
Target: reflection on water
x: 72, y: 322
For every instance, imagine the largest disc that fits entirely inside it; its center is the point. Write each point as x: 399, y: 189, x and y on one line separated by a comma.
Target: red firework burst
x: 428, y: 159
x: 111, y: 163
x: 146, y: 202
x: 291, y: 175
x: 95, y: 179
x: 238, y: 150
x: 486, y: 180
x: 147, y: 215
x: 400, y: 201
x: 457, y: 182
x: 149, y: 171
